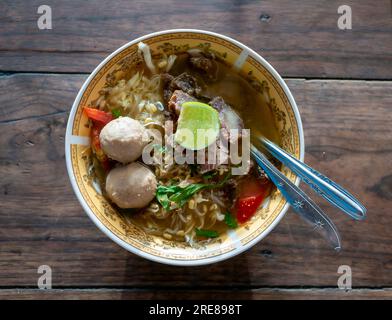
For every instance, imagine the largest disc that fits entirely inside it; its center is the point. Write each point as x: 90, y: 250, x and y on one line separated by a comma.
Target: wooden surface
x: 299, y: 37
x: 340, y: 80
x: 256, y: 294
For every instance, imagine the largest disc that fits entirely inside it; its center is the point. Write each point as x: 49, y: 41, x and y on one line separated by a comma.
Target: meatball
x: 123, y: 139
x: 131, y: 186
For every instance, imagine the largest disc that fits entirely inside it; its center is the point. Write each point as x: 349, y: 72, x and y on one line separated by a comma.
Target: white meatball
x: 131, y: 186
x: 123, y: 139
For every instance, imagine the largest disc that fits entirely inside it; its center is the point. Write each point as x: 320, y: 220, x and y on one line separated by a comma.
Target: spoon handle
x: 299, y: 200
x: 325, y: 187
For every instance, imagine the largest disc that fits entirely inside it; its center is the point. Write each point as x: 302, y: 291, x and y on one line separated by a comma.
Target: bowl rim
x: 106, y: 230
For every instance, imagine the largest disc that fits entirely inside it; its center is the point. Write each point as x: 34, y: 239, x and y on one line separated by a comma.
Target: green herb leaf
x: 206, y: 233
x: 227, y: 177
x: 163, y: 193
x: 186, y: 193
x: 116, y: 113
x: 180, y: 195
x: 230, y: 220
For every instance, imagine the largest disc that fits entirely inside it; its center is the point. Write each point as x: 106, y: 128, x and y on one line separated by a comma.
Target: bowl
x: 258, y: 72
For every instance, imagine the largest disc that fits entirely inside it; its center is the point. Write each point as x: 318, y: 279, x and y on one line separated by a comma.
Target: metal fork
x: 324, y: 186
x: 299, y: 200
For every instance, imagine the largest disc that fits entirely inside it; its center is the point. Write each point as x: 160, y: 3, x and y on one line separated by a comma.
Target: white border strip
x: 234, y: 238
x: 241, y: 60
x: 82, y: 140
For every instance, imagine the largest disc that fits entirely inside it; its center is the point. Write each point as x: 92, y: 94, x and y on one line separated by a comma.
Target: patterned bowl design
x: 262, y: 77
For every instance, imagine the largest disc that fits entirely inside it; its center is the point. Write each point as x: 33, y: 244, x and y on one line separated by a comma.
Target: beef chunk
x: 218, y: 103
x: 222, y: 158
x: 166, y: 80
x: 228, y: 118
x: 184, y: 82
x: 177, y: 99
x: 207, y: 66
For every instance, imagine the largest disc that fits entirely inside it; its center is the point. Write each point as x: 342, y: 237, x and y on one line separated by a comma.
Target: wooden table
x: 341, y: 80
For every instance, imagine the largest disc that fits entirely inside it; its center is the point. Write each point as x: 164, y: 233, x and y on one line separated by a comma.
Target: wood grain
x: 347, y: 134
x: 256, y: 294
x: 300, y: 39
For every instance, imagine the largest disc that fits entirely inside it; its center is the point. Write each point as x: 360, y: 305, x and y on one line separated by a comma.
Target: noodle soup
x: 188, y: 202
x: 124, y: 193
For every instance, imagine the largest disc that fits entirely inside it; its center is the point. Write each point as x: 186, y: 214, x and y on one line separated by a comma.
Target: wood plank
x: 299, y: 40
x: 348, y: 136
x: 37, y: 95
x: 255, y: 294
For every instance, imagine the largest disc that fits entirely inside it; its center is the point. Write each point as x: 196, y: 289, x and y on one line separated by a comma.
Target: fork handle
x: 324, y: 186
x: 299, y: 200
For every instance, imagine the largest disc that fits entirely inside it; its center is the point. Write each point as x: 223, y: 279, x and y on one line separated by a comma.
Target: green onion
x: 206, y: 233
x: 116, y: 113
x: 230, y: 220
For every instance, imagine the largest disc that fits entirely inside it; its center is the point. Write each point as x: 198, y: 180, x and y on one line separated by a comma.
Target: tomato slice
x: 95, y: 131
x: 98, y: 116
x: 96, y: 146
x: 251, y: 194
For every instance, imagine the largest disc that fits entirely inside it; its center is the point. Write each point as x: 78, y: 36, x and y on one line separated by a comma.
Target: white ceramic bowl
x: 265, y: 80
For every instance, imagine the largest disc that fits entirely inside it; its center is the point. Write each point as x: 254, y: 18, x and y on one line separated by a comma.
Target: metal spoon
x: 299, y: 200
x: 325, y: 187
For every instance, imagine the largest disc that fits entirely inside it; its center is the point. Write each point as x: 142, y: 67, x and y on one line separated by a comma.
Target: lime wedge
x: 198, y: 125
